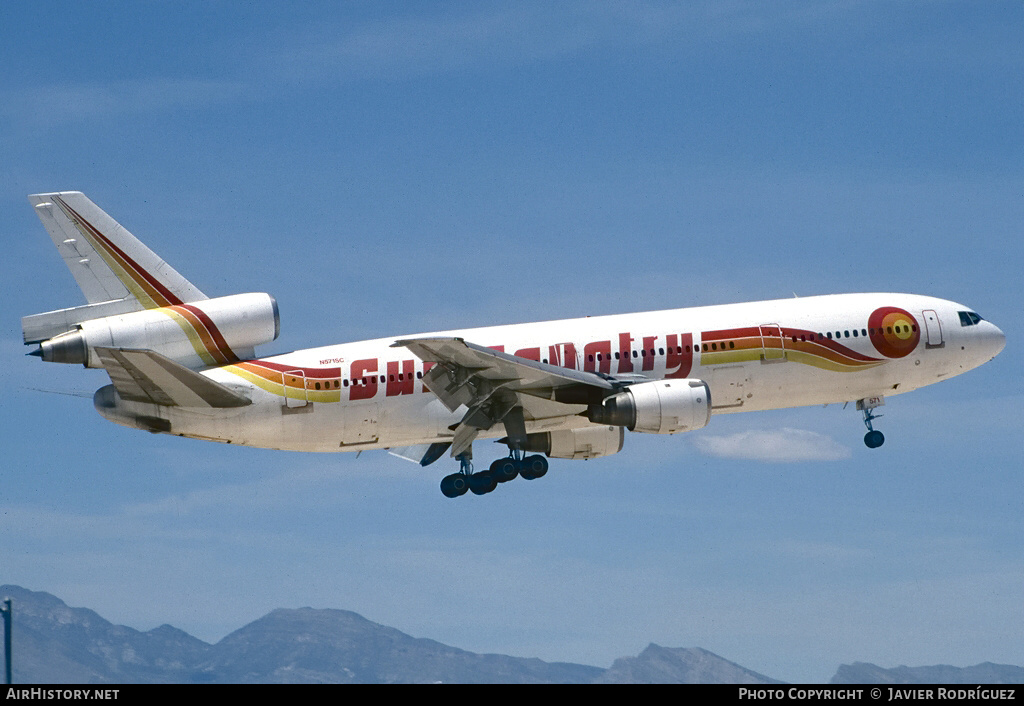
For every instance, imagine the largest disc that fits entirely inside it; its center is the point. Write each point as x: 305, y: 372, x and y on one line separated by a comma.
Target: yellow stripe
x: 817, y: 361
x: 827, y: 364
x: 193, y: 336
x: 731, y: 356
x: 275, y: 387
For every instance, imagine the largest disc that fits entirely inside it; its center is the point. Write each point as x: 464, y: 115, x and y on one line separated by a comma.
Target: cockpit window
x: 968, y: 318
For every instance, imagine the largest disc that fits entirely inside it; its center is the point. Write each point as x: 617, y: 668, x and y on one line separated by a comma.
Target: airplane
x: 183, y: 363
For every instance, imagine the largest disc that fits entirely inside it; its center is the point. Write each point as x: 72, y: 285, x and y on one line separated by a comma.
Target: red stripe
x: 772, y: 333
x: 279, y: 368
x: 218, y: 337
x: 204, y: 335
x: 747, y: 332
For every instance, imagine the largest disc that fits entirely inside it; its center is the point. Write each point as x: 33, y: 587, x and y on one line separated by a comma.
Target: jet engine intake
x: 657, y: 407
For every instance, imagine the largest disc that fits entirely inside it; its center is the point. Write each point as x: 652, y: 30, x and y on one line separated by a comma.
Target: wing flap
x: 146, y: 376
x: 497, y: 387
x: 499, y: 367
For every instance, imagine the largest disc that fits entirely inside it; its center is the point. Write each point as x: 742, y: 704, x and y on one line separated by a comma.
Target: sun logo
x: 894, y: 332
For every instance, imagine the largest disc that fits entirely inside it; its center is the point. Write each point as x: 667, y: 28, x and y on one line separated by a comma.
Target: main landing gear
x: 874, y: 438
x: 501, y: 471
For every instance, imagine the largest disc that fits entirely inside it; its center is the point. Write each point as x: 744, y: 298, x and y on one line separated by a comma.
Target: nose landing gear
x: 874, y: 438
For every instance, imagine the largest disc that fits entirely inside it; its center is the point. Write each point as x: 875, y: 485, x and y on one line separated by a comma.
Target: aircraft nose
x: 994, y: 339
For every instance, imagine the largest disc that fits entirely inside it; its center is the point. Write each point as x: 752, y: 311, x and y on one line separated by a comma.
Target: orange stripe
x: 203, y: 334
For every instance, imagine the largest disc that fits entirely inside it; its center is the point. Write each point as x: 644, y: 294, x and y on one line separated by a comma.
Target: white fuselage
x: 754, y: 356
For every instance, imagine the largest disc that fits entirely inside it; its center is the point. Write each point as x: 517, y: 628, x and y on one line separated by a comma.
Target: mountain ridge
x: 55, y: 643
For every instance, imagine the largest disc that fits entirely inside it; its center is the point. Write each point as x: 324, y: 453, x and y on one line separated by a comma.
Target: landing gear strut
x: 502, y: 470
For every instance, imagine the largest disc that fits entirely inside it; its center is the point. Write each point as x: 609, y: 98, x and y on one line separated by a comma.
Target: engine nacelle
x: 657, y: 407
x: 577, y: 444
x: 199, y: 334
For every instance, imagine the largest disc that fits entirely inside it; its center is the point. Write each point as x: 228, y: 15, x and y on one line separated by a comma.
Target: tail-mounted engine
x: 657, y: 407
x: 203, y: 333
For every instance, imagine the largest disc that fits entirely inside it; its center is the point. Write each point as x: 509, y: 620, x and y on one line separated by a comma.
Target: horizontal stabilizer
x: 146, y: 376
x: 39, y: 327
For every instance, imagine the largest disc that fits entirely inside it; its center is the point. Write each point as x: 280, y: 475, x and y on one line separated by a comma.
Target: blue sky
x: 383, y: 169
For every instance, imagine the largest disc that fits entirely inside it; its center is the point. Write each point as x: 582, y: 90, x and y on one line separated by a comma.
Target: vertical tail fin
x: 107, y: 261
x: 115, y: 271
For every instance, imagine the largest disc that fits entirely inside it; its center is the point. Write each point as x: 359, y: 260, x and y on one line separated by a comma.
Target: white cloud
x: 59, y: 103
x: 776, y: 446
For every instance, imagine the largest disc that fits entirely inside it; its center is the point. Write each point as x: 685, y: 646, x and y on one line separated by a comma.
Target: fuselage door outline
x: 933, y: 329
x: 294, y: 381
x: 769, y: 334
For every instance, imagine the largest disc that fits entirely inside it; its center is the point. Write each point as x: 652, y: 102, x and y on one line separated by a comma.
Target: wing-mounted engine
x: 577, y: 444
x: 200, y: 334
x: 657, y: 407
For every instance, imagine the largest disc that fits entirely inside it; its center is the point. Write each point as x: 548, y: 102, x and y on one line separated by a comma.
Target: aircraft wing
x: 497, y: 387
x: 146, y: 376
